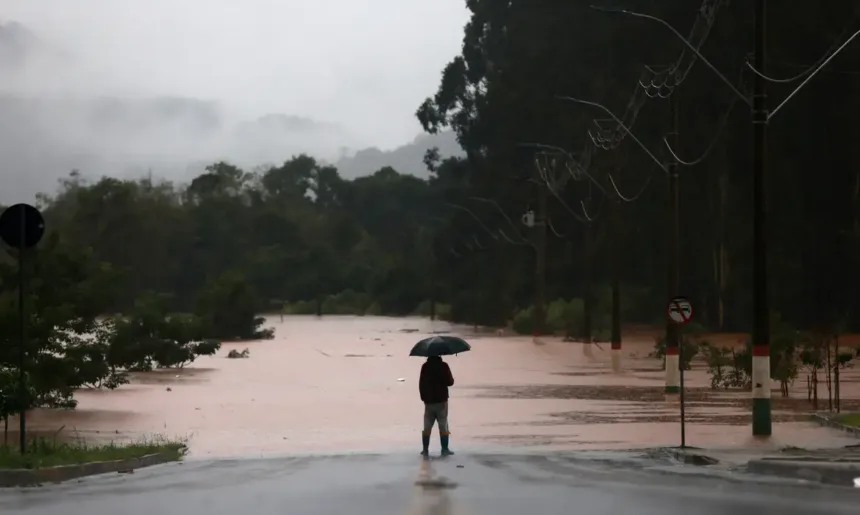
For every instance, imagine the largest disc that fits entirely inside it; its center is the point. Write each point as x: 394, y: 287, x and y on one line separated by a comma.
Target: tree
x: 66, y: 291
x: 518, y: 57
x: 152, y: 337
x: 228, y: 309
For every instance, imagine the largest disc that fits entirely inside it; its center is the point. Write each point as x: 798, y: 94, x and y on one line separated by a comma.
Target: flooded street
x: 347, y: 384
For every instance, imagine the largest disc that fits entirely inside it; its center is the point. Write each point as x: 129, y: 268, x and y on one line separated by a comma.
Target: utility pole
x: 433, y: 291
x: 23, y: 392
x: 673, y: 346
x: 615, y: 263
x: 761, y: 412
x: 540, y: 261
x: 587, y: 297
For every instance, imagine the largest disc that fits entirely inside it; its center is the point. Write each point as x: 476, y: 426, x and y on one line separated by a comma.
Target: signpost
x: 679, y: 310
x: 22, y: 227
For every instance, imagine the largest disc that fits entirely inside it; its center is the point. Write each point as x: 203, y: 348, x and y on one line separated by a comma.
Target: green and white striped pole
x: 679, y: 311
x: 673, y: 368
x: 761, y: 414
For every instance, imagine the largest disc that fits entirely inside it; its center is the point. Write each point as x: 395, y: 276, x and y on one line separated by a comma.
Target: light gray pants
x: 433, y: 413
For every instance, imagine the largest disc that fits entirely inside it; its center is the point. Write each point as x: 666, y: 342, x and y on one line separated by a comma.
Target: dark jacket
x: 434, y: 381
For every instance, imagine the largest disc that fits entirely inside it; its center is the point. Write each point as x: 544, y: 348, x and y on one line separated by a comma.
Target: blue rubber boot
x: 445, y: 450
x: 425, y: 445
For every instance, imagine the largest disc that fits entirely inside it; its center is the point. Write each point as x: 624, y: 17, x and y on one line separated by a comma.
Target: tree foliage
x: 178, y: 268
x: 502, y: 93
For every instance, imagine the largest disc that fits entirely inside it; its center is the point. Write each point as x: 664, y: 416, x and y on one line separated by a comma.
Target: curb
x: 35, y: 477
x: 827, y: 420
x: 692, y: 458
x: 841, y: 474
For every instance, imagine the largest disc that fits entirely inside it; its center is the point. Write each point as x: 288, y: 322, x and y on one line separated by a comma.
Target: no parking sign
x: 679, y: 310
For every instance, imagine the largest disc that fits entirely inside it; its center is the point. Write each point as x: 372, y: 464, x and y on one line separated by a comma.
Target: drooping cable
x: 829, y: 52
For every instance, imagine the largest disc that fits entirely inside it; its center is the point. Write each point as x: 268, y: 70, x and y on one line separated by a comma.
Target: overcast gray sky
x: 364, y: 64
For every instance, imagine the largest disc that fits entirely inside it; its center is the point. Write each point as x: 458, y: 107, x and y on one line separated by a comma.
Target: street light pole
x: 673, y: 344
x: 761, y: 423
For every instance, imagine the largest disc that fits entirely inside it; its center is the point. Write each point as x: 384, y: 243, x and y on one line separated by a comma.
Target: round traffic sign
x: 22, y: 226
x: 679, y: 310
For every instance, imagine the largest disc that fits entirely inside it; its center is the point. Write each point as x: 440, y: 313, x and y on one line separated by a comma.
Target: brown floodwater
x: 339, y: 384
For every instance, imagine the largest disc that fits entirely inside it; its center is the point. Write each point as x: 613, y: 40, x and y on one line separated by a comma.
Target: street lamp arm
x: 620, y: 124
x: 808, y: 78
x: 685, y: 41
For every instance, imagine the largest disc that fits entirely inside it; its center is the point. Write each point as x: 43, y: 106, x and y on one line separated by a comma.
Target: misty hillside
x: 44, y: 135
x: 406, y: 159
x: 17, y: 44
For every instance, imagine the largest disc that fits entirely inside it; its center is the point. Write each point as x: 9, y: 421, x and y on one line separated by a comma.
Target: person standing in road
x: 433, y: 385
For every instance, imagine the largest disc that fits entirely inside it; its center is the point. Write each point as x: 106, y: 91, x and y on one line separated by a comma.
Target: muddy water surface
x: 347, y: 383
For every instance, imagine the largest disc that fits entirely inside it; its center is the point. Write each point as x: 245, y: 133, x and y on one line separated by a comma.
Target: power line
x: 654, y: 83
x: 723, y: 124
x: 831, y: 50
x: 624, y: 198
x: 807, y: 78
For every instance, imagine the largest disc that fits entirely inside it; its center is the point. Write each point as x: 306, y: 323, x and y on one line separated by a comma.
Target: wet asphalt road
x: 570, y: 483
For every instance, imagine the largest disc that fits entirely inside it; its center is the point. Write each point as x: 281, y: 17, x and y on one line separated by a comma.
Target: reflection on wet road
x: 333, y: 385
x: 403, y: 484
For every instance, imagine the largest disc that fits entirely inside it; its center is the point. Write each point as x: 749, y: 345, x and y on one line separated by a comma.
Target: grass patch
x: 852, y: 419
x: 44, y: 452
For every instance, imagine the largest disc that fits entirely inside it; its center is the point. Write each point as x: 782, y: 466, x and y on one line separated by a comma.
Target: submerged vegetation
x: 44, y: 452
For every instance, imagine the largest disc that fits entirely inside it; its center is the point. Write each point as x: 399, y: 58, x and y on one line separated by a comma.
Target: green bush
x: 423, y: 309
x: 302, y: 307
x: 373, y: 310
x: 523, y: 322
x: 443, y: 311
x: 347, y: 302
x: 564, y: 317
x: 690, y: 343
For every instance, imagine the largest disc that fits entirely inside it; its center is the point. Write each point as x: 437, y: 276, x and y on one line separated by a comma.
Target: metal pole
x: 683, y: 407
x: 540, y: 262
x: 433, y: 288
x: 836, y: 377
x: 22, y: 351
x: 673, y: 357
x: 615, y: 246
x: 761, y: 415
x: 587, y: 296
x: 433, y: 301
x: 675, y: 276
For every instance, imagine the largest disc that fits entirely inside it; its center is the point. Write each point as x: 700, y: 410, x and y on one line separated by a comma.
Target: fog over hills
x: 50, y: 125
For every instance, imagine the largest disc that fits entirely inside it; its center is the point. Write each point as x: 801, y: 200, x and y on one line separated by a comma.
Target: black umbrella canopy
x: 440, y: 346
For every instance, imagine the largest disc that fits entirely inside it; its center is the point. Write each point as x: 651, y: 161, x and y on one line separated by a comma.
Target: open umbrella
x: 440, y: 346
